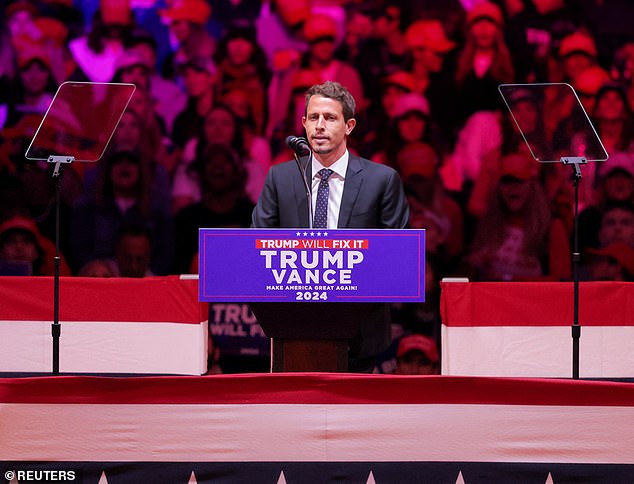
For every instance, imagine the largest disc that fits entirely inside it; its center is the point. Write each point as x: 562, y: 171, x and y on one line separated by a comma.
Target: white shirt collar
x: 339, y: 167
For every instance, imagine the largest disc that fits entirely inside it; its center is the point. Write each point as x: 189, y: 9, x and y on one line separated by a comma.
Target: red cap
x: 293, y: 12
x: 418, y: 342
x: 485, y: 11
x: 116, y: 12
x: 577, y: 43
x: 19, y: 6
x: 519, y: 166
x: 194, y: 11
x: 320, y: 26
x: 402, y: 79
x: 52, y: 29
x: 303, y: 79
x: 31, y: 51
x: 410, y: 102
x: 20, y: 222
x: 429, y: 34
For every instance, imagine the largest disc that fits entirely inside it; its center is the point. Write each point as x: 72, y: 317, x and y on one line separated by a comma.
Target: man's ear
x: 350, y: 124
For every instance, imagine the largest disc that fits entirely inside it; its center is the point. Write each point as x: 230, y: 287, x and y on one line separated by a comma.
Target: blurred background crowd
x: 221, y: 83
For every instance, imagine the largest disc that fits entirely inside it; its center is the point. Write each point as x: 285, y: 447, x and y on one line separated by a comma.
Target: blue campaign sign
x: 343, y: 265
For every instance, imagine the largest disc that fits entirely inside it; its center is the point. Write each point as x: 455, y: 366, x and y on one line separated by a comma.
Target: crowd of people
x: 220, y: 84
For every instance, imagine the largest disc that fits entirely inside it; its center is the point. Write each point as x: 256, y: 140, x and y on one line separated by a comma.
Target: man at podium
x: 346, y: 191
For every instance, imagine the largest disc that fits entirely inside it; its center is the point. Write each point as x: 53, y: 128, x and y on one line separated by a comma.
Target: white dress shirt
x: 335, y: 187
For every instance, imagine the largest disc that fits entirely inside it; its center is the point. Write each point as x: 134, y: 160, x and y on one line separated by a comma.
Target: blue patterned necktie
x: 321, y: 208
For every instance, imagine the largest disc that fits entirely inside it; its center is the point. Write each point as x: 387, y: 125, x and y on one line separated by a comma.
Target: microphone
x: 298, y: 145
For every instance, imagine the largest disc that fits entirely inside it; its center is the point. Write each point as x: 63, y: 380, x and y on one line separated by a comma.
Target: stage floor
x: 309, y: 428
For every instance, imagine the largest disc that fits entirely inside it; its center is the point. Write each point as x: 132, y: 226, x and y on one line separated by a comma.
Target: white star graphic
x: 312, y: 234
x: 298, y: 234
x: 318, y: 234
x: 325, y: 234
x: 305, y: 234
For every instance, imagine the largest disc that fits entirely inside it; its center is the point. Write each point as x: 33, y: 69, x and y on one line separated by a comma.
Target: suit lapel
x: 351, y: 187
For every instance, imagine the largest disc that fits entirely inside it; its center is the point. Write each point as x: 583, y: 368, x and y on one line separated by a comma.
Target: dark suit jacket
x: 373, y: 197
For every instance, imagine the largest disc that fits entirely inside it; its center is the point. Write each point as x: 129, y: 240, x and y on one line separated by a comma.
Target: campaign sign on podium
x: 307, y: 265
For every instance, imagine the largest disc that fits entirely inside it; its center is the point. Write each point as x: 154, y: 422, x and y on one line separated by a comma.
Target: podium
x: 311, y: 337
x: 312, y: 292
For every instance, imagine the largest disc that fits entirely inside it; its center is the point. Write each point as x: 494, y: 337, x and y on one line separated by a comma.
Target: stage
x: 316, y: 428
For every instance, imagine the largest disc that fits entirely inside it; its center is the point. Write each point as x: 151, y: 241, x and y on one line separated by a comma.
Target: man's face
x: 137, y: 75
x: 619, y: 186
x: 414, y: 363
x: 19, y: 247
x: 323, y: 50
x: 197, y: 82
x: 574, y: 64
x: 133, y: 255
x: 325, y: 126
x: 431, y: 59
x: 220, y: 127
x: 181, y: 29
x: 35, y: 77
x: 617, y: 225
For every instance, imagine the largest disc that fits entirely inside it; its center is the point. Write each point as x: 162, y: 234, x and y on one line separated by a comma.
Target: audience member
x: 385, y: 52
x: 482, y: 167
x: 220, y: 126
x: 122, y: 197
x: 186, y: 21
x: 168, y: 98
x: 97, y: 268
x: 417, y: 355
x: 430, y: 207
x: 377, y: 118
x: 614, y: 262
x: 35, y: 86
x: 615, y: 186
x: 484, y: 61
x: 411, y: 123
x: 428, y: 48
x: 133, y: 252
x: 617, y: 225
x: 96, y: 53
x: 223, y: 202
x: 242, y: 65
x: 199, y: 77
x: 26, y: 250
x: 255, y: 145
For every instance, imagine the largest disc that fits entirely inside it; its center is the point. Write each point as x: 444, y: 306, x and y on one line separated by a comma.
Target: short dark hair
x: 336, y: 91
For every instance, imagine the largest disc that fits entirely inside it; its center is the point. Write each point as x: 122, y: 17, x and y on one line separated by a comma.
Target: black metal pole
x: 576, y: 257
x: 56, y: 327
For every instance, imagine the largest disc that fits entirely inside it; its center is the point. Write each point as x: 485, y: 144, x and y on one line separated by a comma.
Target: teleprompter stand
x: 577, y: 143
x: 77, y: 126
x: 56, y: 328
